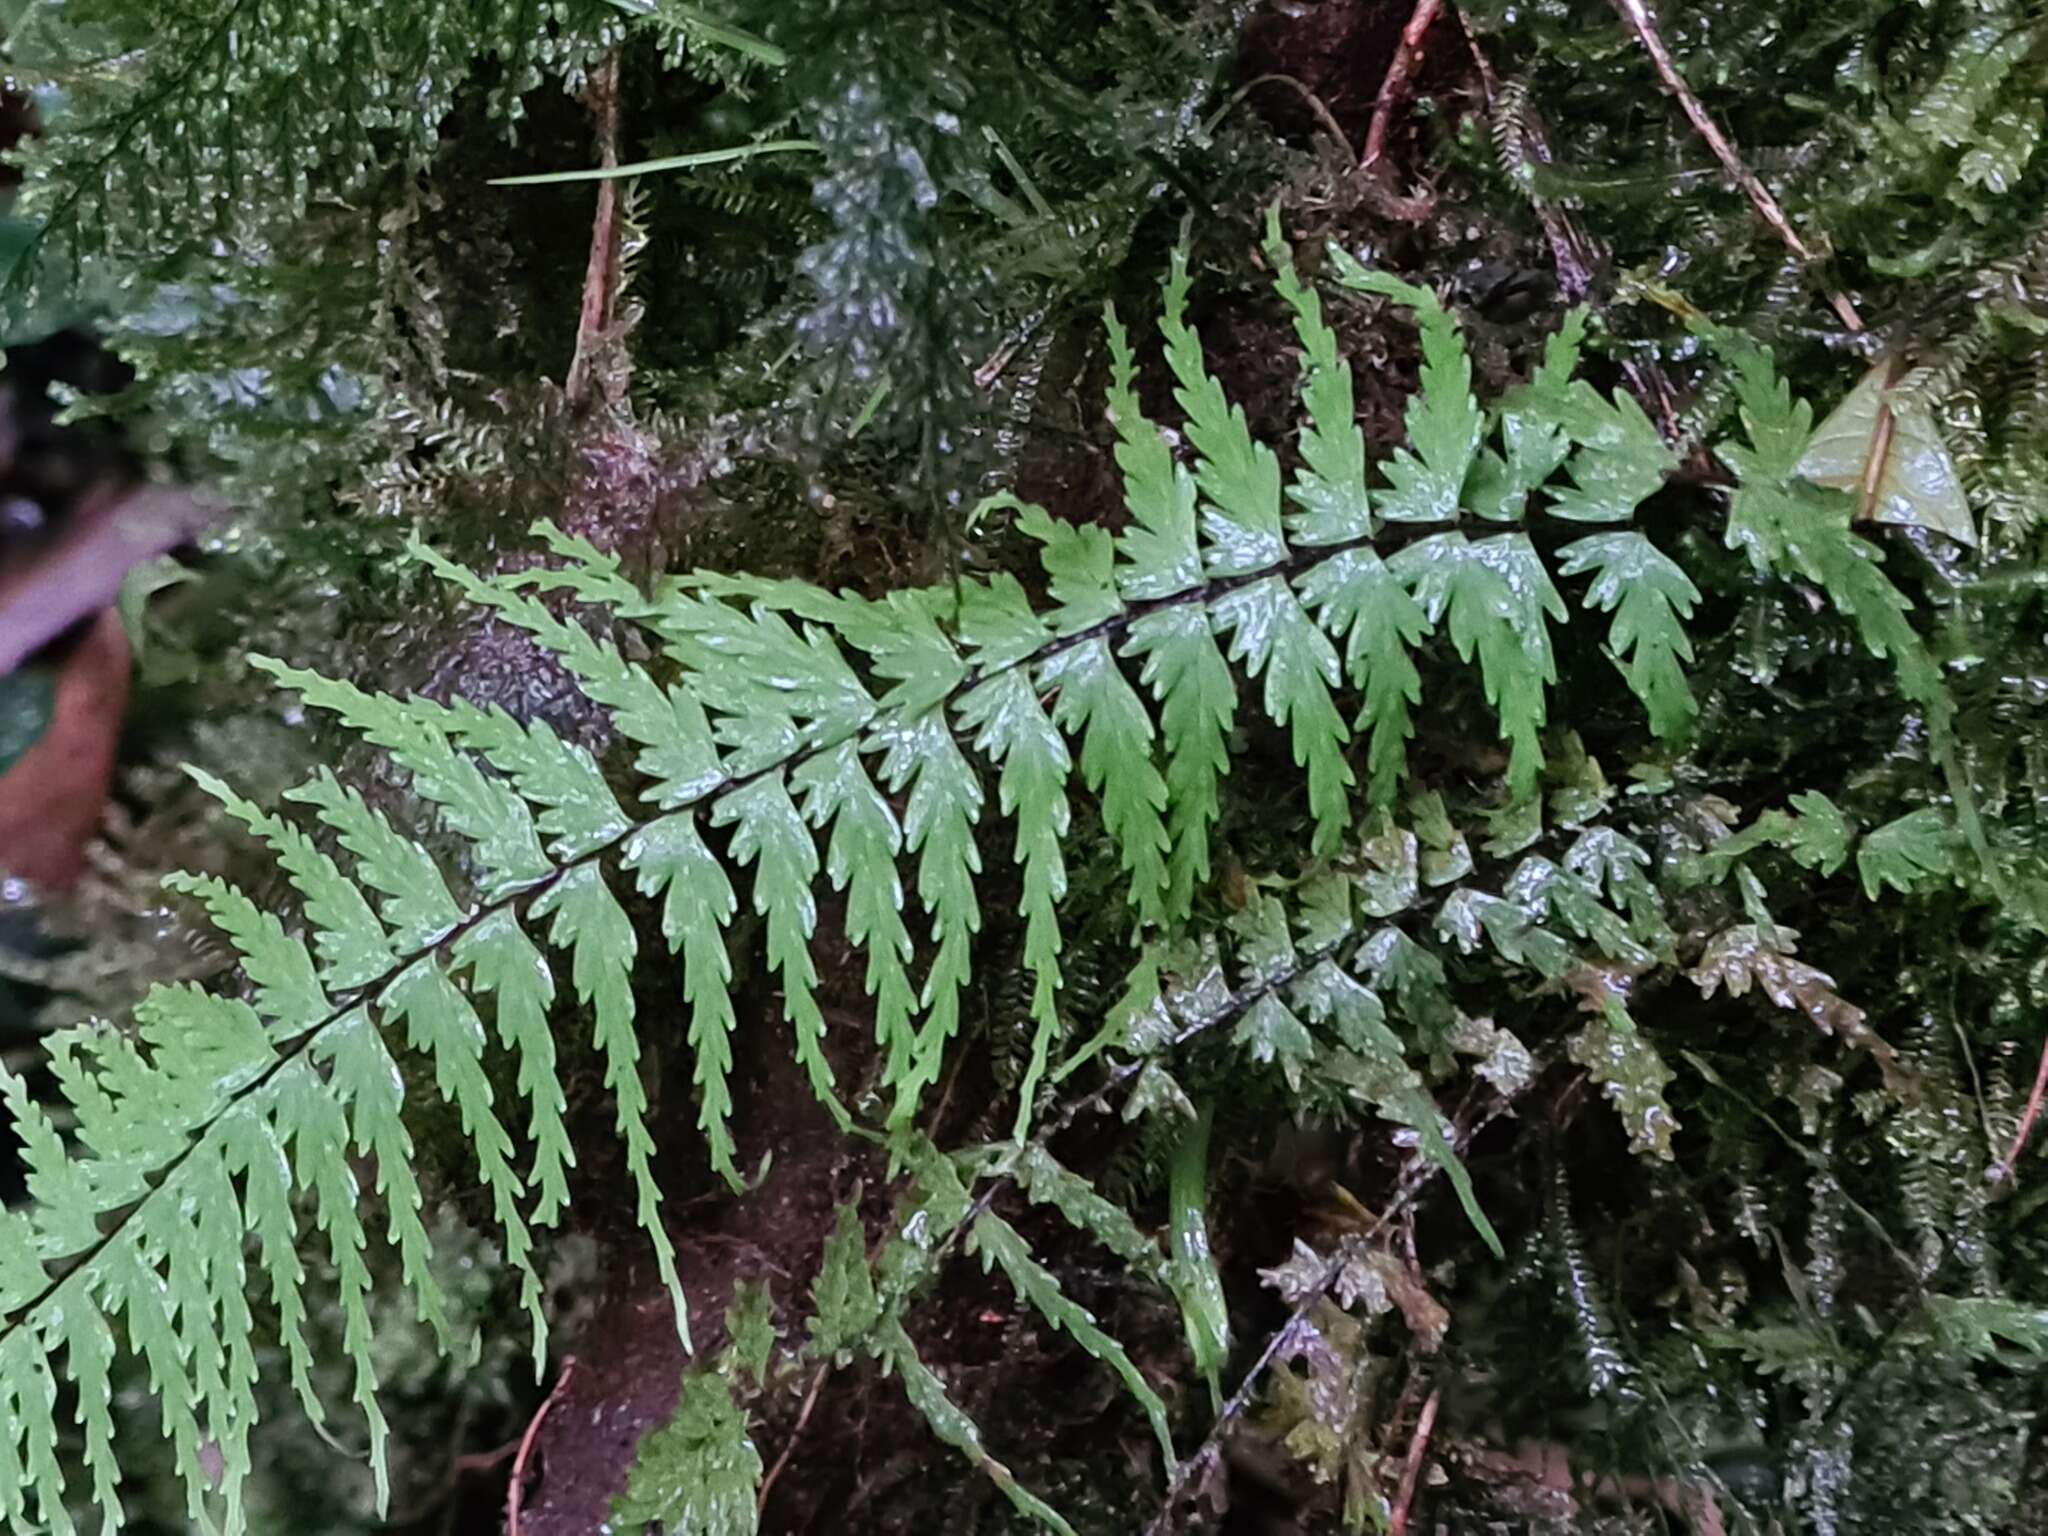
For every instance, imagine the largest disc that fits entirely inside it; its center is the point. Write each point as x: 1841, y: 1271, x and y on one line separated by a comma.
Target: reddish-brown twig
x: 1401, y: 72
x: 1411, y: 1470
x: 601, y: 272
x: 2019, y: 1140
x: 796, y: 1430
x: 1638, y: 17
x: 515, y: 1496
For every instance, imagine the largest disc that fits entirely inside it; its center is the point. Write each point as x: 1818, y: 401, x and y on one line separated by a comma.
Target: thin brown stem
x: 516, y: 1494
x: 601, y: 271
x: 1637, y: 14
x: 1415, y: 1179
x: 1576, y: 254
x: 1315, y: 104
x: 1396, y: 88
x: 2019, y: 1140
x: 1411, y: 1470
x: 796, y: 1430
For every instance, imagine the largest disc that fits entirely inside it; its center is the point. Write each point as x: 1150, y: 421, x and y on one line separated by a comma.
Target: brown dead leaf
x: 51, y: 799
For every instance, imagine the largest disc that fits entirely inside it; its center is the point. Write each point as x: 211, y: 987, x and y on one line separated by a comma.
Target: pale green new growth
x: 697, y: 1474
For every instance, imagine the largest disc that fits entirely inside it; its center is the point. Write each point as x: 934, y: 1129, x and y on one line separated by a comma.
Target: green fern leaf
x: 953, y: 1427
x: 770, y: 834
x: 68, y: 1199
x: 1094, y: 701
x: 590, y: 922
x: 1492, y: 595
x: 28, y: 1443
x: 669, y: 856
x: 669, y: 724
x: 1011, y: 726
x: 1329, y: 487
x: 368, y: 1081
x: 136, y: 1293
x: 1907, y: 854
x: 1426, y: 479
x: 88, y: 1345
x: 1509, y: 927
x: 351, y: 943
x: 1192, y: 1275
x: 442, y: 1025
x: 1276, y: 639
x: 311, y: 1124
x: 1790, y: 527
x: 1618, y: 459
x: 1372, y: 1067
x: 1978, y: 1326
x: 1535, y: 439
x: 1783, y: 523
x: 505, y: 965
x: 288, y: 990
x: 1159, y: 557
x: 844, y: 1308
x: 999, y: 1245
x: 1186, y: 672
x: 416, y: 907
x: 938, y: 826
x: 1650, y: 598
x: 1631, y: 1074
x: 906, y: 646
x: 861, y: 860
x: 1814, y: 832
x: 1044, y: 1180
x: 579, y: 814
x: 1395, y: 965
x: 1239, y: 479
x: 1238, y: 476
x: 1160, y: 551
x: 1550, y: 891
x: 750, y: 1333
x: 483, y: 809
x: 698, y: 1474
x: 771, y: 689
x: 255, y: 1152
x: 1359, y: 599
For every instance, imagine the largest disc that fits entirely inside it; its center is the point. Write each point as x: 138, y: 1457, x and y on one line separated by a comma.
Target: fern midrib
x: 1242, y: 1001
x: 288, y: 1053
x: 363, y: 994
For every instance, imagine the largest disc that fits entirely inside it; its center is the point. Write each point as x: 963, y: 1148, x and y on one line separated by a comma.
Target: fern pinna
x: 789, y: 735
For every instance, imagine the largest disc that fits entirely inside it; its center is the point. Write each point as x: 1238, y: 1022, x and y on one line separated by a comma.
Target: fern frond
x: 698, y: 1473
x: 1160, y: 558
x: 1650, y: 597
x: 1492, y: 596
x: 999, y: 1245
x: 1426, y: 480
x: 1270, y: 631
x: 788, y: 737
x: 953, y: 1427
x: 1785, y: 524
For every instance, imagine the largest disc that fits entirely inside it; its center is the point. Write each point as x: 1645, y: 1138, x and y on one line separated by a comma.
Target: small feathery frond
x: 164, y: 151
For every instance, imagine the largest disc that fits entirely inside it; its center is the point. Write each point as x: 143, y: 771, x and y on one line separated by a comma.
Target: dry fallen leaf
x: 1885, y: 450
x: 50, y: 800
